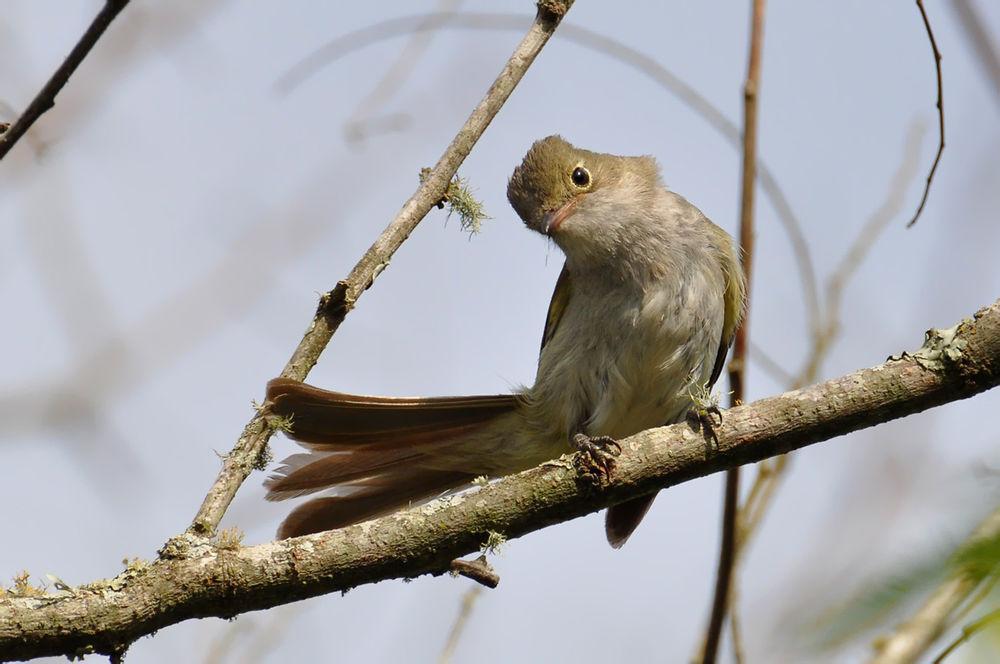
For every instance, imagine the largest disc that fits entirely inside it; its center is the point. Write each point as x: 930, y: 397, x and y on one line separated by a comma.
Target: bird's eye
x: 580, y: 177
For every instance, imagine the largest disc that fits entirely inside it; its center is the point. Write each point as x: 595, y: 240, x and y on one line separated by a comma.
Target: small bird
x: 642, y: 317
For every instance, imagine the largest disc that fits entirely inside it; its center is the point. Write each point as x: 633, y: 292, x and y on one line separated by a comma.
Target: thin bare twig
x: 737, y: 366
x: 735, y: 622
x: 335, y: 305
x: 940, y: 110
x: 222, y: 647
x: 46, y: 97
x: 464, y: 611
x: 724, y: 571
x: 985, y: 590
x: 8, y: 114
x: 968, y: 632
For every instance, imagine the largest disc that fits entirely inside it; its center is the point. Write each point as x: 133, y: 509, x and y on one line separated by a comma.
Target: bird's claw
x: 700, y: 419
x: 595, y: 457
x: 713, y: 410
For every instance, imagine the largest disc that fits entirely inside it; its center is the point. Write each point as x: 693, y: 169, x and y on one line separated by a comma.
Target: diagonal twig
x: 46, y: 97
x: 335, y: 305
x: 968, y: 632
x: 464, y: 611
x: 940, y: 111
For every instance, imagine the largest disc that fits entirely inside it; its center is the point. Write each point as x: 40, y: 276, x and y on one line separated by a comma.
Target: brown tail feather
x: 380, y: 450
x: 374, y: 497
x: 622, y: 519
x: 303, y: 474
x: 334, y: 420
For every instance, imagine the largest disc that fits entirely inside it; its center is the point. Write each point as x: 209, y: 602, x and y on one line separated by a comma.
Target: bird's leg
x: 595, y: 457
x: 703, y: 413
x: 703, y: 419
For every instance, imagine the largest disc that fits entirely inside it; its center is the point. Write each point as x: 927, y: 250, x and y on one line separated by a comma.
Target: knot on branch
x: 553, y: 10
x: 479, y: 570
x: 335, y: 303
x: 942, y: 349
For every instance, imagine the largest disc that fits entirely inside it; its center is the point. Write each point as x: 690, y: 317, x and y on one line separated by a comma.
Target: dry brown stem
x: 738, y: 365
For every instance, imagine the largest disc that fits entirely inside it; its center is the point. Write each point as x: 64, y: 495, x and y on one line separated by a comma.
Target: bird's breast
x: 625, y: 359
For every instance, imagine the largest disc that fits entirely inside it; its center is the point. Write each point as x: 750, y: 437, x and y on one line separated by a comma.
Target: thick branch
x: 194, y: 579
x: 335, y: 304
x: 46, y: 97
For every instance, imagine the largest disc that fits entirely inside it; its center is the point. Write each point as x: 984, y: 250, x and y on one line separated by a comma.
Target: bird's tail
x: 622, y: 519
x: 378, y: 453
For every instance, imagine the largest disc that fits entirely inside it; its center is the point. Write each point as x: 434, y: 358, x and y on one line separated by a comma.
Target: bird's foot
x: 595, y: 457
x: 703, y: 418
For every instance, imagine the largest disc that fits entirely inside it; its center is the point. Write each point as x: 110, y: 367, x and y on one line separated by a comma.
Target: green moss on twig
x: 229, y: 539
x: 459, y: 199
x: 22, y: 586
x: 494, y: 542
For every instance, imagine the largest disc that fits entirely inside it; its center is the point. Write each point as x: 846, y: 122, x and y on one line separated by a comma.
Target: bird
x: 641, y: 320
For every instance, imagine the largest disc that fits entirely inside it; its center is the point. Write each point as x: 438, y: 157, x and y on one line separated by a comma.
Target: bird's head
x: 580, y: 198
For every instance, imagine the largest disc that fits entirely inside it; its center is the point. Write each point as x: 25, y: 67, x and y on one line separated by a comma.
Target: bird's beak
x: 552, y: 220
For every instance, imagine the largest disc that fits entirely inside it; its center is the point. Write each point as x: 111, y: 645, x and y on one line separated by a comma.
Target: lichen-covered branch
x: 194, y: 578
x: 334, y: 305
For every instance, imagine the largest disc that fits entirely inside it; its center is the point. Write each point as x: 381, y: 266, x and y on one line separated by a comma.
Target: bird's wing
x: 557, y: 307
x: 734, y: 297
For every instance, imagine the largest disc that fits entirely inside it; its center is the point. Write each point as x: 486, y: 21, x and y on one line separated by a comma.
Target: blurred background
x: 214, y: 166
